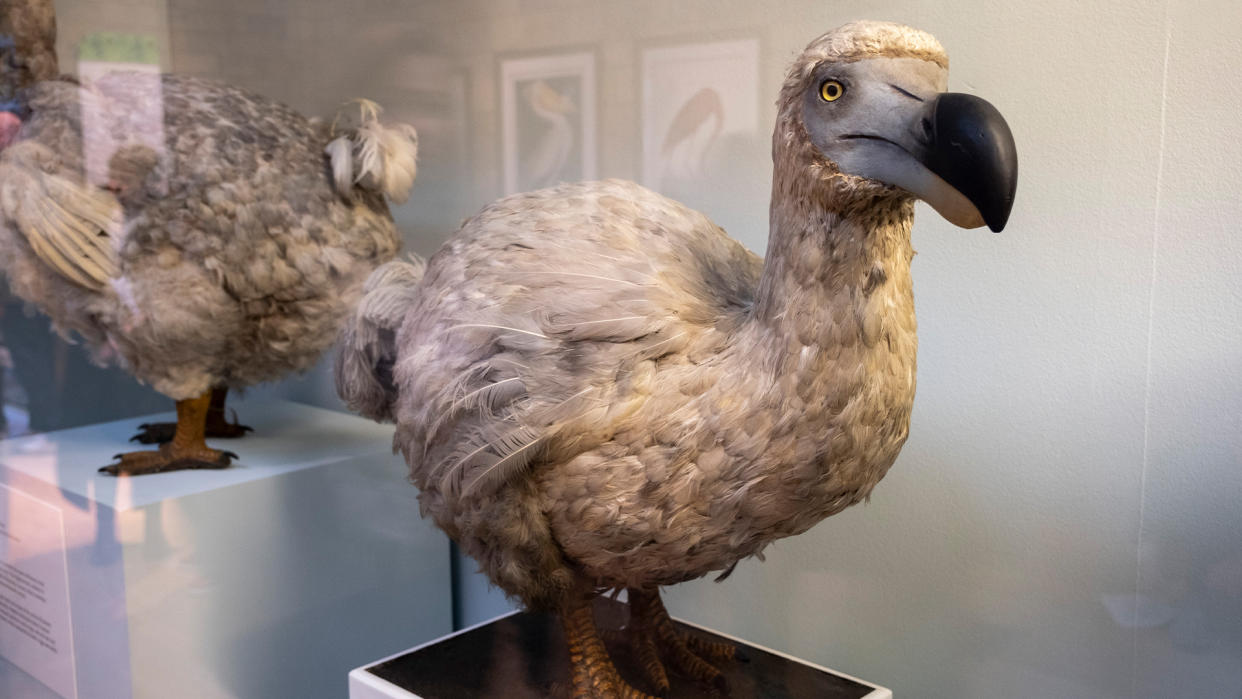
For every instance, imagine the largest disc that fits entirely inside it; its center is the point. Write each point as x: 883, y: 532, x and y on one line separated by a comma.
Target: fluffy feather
x: 489, y: 460
x: 372, y: 156
x: 487, y: 399
x: 366, y: 351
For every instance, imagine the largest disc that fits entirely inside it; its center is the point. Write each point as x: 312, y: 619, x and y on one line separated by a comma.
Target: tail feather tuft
x: 367, y: 347
x: 370, y: 156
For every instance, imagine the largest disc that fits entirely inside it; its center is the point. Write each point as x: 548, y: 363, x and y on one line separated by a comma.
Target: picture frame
x: 693, y: 96
x: 548, y: 119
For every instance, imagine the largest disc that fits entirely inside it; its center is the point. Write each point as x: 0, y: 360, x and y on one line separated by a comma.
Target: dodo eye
x: 831, y: 90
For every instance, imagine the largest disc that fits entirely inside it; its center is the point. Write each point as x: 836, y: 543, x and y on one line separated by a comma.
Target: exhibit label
x: 35, y: 630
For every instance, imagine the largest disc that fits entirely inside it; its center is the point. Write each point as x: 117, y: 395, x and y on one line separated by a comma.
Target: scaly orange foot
x: 168, y: 458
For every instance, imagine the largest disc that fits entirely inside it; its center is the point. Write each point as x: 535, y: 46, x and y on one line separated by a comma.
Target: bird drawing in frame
x: 690, y: 137
x: 596, y: 389
x: 545, y: 163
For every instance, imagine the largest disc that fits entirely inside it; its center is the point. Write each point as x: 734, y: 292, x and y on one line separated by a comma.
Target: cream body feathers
x: 586, y: 398
x: 223, y: 255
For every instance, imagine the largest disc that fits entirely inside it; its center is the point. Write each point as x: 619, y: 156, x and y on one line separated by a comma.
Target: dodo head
x: 866, y: 105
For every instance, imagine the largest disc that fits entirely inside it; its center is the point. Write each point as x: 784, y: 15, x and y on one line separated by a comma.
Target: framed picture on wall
x: 548, y: 122
x: 695, y: 98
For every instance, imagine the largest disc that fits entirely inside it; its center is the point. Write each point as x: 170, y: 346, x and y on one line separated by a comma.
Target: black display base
x: 524, y: 655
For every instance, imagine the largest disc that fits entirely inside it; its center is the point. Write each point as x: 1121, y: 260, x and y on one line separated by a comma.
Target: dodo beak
x: 970, y: 147
x: 952, y: 150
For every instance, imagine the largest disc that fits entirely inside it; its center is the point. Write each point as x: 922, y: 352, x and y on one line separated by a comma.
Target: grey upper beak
x: 970, y: 147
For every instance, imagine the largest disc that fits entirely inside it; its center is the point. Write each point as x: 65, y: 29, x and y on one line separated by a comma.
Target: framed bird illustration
x: 548, y: 120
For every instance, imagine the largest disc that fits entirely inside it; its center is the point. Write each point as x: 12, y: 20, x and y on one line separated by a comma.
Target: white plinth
x: 522, y: 655
x: 271, y: 578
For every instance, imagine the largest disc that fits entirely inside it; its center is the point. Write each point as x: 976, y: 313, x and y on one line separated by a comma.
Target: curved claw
x: 236, y: 424
x: 155, y: 432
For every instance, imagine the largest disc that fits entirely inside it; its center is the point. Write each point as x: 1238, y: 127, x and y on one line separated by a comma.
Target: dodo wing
x: 69, y: 224
x: 537, y: 311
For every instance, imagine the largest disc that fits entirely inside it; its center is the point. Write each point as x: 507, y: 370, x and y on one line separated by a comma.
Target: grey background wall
x: 1064, y: 519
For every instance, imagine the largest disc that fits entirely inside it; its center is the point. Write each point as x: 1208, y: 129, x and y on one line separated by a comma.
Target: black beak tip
x: 997, y: 224
x: 974, y: 152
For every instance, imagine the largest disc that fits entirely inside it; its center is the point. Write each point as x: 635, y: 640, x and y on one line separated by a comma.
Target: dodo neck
x: 823, y: 258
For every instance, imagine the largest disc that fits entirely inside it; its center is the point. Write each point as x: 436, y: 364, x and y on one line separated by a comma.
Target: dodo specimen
x: 596, y: 388
x: 204, y: 236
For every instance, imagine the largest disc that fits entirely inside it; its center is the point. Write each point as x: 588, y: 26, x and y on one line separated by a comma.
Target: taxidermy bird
x: 597, y: 389
x: 226, y: 253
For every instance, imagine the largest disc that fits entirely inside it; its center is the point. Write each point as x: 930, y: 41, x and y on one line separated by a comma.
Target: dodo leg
x: 188, y: 448
x: 642, y: 639
x: 217, y: 426
x: 594, y: 675
x: 684, y: 652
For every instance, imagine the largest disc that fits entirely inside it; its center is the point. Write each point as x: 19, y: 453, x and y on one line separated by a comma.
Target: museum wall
x: 1063, y: 520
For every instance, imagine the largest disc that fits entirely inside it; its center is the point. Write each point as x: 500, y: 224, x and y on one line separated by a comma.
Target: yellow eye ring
x: 831, y: 90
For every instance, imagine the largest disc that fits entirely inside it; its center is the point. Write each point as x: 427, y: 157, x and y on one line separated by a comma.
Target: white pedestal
x: 271, y: 578
x: 522, y: 655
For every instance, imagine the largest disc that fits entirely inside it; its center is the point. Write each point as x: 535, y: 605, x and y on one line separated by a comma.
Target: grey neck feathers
x: 833, y: 328
x: 833, y: 241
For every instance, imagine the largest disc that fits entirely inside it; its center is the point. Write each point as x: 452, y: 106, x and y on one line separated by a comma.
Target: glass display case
x: 271, y: 578
x: 1062, y: 519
